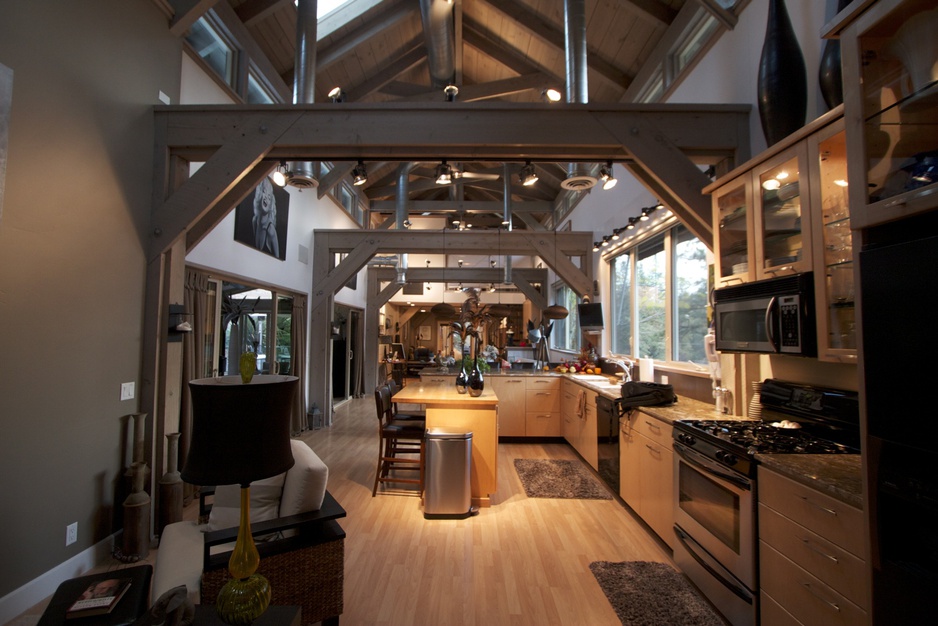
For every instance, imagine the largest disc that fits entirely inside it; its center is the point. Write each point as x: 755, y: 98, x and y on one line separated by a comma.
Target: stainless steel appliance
x: 607, y: 431
x: 767, y: 316
x: 715, y: 482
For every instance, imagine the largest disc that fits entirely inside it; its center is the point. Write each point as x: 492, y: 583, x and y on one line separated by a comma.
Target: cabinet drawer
x: 832, y: 564
x: 542, y: 382
x: 808, y: 599
x: 774, y: 615
x: 542, y: 424
x: 653, y: 428
x: 542, y: 400
x: 833, y: 520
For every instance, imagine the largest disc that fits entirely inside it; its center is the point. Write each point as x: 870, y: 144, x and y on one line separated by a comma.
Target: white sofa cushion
x: 265, y: 502
x: 179, y: 560
x: 305, y: 485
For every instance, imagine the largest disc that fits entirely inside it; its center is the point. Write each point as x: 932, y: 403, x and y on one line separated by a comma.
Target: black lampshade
x: 240, y: 432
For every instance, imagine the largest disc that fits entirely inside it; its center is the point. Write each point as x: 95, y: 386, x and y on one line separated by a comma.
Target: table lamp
x: 240, y: 433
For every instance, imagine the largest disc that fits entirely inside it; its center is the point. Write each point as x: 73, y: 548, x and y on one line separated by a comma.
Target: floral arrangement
x: 490, y: 353
x: 472, y: 317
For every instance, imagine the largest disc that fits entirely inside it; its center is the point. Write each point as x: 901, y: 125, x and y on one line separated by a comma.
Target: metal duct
x: 574, y: 23
x: 440, y: 34
x: 403, y: 194
x: 302, y: 173
x: 506, y: 200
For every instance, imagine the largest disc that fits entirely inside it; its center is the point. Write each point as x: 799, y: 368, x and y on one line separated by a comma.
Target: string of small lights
x: 633, y: 224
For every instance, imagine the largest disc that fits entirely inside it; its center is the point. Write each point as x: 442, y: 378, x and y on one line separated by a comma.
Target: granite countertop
x: 837, y: 475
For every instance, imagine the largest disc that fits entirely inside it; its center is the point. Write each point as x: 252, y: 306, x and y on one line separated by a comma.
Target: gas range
x: 796, y: 419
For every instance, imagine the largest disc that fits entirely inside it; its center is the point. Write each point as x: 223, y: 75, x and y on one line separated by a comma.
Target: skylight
x: 325, y: 6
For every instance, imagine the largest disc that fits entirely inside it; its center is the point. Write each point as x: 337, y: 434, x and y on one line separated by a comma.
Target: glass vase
x: 462, y: 380
x: 476, y: 382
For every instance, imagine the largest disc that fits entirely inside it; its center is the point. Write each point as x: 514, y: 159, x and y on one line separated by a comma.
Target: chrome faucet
x: 626, y: 366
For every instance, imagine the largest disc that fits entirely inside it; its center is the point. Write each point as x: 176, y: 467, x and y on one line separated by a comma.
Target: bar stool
x: 408, y: 414
x: 397, y: 438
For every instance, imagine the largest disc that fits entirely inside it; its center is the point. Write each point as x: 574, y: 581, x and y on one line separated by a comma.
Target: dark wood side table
x: 205, y: 615
x: 134, y: 603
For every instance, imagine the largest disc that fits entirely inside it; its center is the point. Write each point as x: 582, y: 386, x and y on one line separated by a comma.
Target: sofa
x: 293, y: 521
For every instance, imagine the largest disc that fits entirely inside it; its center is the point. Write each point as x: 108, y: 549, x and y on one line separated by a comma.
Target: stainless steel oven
x: 715, y: 526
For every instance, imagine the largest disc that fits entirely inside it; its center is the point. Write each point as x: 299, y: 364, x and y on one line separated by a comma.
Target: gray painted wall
x: 76, y: 208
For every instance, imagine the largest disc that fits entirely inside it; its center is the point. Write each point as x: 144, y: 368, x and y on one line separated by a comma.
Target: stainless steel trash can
x: 447, y: 494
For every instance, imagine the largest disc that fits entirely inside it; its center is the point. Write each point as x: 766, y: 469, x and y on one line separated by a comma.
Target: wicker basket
x: 310, y: 577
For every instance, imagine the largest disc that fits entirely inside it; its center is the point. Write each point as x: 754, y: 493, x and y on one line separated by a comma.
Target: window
x: 658, y: 296
x: 621, y: 296
x: 206, y: 39
x: 257, y: 93
x: 650, y: 273
x: 566, y: 332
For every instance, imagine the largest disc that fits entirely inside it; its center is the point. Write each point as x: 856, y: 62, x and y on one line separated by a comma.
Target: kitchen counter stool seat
x: 401, y: 445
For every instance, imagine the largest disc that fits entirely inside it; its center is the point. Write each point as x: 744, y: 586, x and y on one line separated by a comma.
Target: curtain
x: 298, y: 357
x: 193, y: 361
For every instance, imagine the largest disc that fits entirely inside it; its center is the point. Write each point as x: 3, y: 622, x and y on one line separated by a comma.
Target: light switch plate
x: 127, y: 391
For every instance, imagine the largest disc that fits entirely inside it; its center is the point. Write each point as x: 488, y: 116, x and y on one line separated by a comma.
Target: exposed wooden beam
x: 340, y: 169
x: 494, y: 89
x: 487, y: 42
x: 653, y: 10
x: 349, y: 11
x: 186, y: 13
x: 254, y: 11
x: 413, y: 54
x: 466, y: 206
x: 337, y: 50
x: 544, y: 30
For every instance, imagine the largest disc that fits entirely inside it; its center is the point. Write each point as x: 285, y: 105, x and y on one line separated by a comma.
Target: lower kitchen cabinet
x: 811, y: 556
x: 511, y: 404
x: 579, y: 428
x: 528, y: 406
x: 646, y: 471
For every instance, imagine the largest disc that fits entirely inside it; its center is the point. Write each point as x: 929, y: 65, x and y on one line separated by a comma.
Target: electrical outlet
x: 664, y: 380
x: 71, y: 533
x: 127, y: 391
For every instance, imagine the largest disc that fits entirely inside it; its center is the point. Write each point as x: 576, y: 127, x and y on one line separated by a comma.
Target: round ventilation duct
x: 578, y: 182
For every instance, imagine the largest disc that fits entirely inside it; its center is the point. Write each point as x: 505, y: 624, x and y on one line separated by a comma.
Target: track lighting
x: 491, y: 287
x: 451, y: 91
x: 444, y: 174
x: 406, y: 223
x: 527, y: 175
x: 596, y: 246
x: 552, y: 94
x: 631, y: 225
x: 615, y: 234
x: 645, y: 213
x: 336, y: 95
x: 605, y: 241
x: 359, y: 174
x: 280, y: 174
x: 605, y: 174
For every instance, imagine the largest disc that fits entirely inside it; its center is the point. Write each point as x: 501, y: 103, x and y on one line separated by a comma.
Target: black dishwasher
x: 607, y: 431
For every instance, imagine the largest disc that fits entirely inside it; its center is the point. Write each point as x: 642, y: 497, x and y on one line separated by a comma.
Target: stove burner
x: 755, y: 437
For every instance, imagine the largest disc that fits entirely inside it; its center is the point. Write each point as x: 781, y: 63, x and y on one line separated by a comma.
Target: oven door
x: 715, y: 529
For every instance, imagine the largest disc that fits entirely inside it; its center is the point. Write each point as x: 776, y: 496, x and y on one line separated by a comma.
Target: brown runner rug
x: 645, y: 593
x: 543, y: 478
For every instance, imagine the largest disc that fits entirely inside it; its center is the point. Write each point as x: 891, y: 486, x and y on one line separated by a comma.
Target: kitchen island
x: 459, y: 412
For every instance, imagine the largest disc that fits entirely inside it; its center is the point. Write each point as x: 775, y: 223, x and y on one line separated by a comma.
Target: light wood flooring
x: 521, y: 561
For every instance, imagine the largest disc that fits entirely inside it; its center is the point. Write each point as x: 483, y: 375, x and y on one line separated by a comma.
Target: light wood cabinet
x: 511, y: 404
x: 579, y: 428
x: 646, y: 471
x: 811, y: 555
x: 891, y: 105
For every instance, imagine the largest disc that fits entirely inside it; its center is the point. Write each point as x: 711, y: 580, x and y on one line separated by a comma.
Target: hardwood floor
x: 521, y: 561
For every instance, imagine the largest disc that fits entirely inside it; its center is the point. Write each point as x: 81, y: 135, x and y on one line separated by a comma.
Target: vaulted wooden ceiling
x: 380, y: 51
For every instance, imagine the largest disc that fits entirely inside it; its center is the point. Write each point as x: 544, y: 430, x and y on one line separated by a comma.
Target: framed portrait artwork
x: 261, y: 219
x: 423, y: 333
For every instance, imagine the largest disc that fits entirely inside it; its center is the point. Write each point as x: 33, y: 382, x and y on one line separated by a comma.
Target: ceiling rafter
x: 253, y: 11
x: 653, y: 10
x: 544, y: 30
x: 345, y: 45
x: 412, y: 55
x: 486, y: 42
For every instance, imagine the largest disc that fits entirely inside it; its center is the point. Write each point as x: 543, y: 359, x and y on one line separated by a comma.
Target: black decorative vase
x: 462, y: 379
x: 783, y: 79
x: 830, y: 75
x: 476, y: 383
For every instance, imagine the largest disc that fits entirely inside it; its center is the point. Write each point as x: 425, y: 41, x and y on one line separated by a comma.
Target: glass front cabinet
x: 833, y: 245
x: 890, y: 66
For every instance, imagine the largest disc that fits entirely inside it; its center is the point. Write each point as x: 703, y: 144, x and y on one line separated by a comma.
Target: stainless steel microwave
x: 773, y: 316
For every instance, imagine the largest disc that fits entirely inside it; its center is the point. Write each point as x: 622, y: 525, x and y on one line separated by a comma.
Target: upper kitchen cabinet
x: 732, y: 210
x: 833, y: 245
x: 890, y: 69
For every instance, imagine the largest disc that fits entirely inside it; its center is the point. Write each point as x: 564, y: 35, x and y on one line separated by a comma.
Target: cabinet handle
x: 542, y: 416
x: 818, y: 506
x: 653, y: 448
x: 813, y: 548
x: 542, y: 393
x: 513, y: 381
x: 650, y: 425
x: 814, y: 593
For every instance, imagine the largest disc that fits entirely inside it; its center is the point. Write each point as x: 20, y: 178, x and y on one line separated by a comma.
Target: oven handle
x: 703, y: 463
x: 686, y: 540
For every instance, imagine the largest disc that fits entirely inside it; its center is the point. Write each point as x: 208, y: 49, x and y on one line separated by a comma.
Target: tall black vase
x: 476, y: 382
x: 462, y: 378
x: 830, y: 75
x: 783, y: 79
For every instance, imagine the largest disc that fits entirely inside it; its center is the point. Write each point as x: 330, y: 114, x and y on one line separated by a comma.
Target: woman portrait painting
x: 261, y: 219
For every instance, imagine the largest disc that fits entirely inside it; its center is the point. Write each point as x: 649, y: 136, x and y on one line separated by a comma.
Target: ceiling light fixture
x: 631, y: 225
x: 552, y: 94
x: 280, y: 174
x: 605, y: 241
x: 615, y: 233
x: 451, y: 91
x: 336, y: 95
x: 645, y: 213
x: 359, y: 174
x: 444, y: 174
x: 527, y: 175
x: 605, y: 174
x: 596, y: 245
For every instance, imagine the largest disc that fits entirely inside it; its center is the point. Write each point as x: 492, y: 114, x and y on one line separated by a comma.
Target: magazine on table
x: 99, y: 598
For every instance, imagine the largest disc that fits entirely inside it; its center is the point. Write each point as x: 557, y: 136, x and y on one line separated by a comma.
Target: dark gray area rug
x: 645, y: 593
x: 544, y: 478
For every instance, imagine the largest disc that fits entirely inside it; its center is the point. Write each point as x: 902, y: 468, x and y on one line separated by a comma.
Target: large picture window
x: 566, y: 332
x: 658, y: 296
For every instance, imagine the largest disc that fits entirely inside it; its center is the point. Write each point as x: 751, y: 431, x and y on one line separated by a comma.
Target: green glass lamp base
x: 241, y: 601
